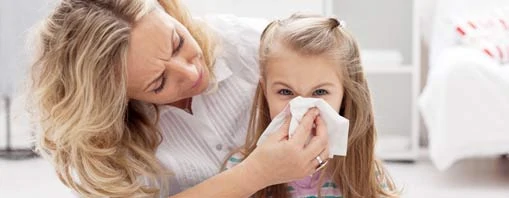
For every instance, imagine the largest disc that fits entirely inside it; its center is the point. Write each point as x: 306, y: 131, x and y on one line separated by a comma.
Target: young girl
x: 313, y: 56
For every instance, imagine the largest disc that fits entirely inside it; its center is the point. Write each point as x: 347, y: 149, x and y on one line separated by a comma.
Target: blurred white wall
x: 255, y: 8
x: 379, y: 24
x: 16, y: 19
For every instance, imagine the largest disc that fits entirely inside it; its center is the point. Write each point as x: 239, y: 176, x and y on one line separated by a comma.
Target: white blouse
x: 195, y: 146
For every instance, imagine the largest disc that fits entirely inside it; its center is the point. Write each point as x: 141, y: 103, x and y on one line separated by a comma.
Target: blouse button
x: 219, y: 147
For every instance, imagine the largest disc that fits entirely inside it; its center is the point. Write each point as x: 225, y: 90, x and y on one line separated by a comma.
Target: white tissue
x: 337, y: 126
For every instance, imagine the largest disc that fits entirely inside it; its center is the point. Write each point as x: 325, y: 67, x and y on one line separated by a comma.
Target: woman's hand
x: 280, y: 160
x: 277, y: 160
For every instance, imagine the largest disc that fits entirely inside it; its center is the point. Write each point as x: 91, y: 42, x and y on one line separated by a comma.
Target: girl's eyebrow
x: 323, y: 85
x: 315, y: 87
x: 281, y: 83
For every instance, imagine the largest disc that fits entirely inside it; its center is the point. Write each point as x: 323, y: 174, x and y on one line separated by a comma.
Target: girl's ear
x: 262, y: 85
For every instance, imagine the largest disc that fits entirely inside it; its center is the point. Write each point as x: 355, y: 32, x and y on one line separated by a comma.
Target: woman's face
x: 164, y: 63
x: 289, y: 75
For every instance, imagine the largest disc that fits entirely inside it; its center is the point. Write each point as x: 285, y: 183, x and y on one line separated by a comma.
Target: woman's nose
x: 184, y: 70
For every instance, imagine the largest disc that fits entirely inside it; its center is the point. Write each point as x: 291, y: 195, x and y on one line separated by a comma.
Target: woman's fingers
x: 282, y: 132
x: 319, y: 143
x: 322, y: 157
x: 303, y: 131
x: 319, y: 160
x: 285, y: 127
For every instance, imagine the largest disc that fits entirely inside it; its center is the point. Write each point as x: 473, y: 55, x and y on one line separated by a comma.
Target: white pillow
x: 444, y: 35
x: 488, y: 33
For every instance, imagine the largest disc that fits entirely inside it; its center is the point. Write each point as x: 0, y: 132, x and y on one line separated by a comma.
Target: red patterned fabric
x: 489, y: 34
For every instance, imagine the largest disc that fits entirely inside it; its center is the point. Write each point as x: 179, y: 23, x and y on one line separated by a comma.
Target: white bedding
x: 465, y: 106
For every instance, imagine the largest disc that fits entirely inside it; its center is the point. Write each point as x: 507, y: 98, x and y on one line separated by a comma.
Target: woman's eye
x: 320, y: 92
x: 285, y: 92
x: 177, y: 48
x: 161, y: 86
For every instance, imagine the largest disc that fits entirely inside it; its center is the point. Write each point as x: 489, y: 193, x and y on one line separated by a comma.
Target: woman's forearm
x: 277, y: 160
x: 239, y: 181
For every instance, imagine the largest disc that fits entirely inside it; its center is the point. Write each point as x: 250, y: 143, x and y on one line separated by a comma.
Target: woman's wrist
x: 253, y: 174
x: 242, y: 180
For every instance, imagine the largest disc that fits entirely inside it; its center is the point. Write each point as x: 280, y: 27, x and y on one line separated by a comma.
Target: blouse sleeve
x: 239, y: 40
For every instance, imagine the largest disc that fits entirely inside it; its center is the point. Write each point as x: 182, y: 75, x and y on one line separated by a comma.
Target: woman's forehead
x: 156, y: 22
x: 151, y: 37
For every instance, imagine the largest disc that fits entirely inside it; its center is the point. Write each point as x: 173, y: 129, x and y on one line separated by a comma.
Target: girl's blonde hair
x: 358, y: 174
x: 101, y: 143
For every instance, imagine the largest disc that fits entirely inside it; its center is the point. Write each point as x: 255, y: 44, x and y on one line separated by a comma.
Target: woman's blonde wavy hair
x: 358, y: 174
x: 101, y: 143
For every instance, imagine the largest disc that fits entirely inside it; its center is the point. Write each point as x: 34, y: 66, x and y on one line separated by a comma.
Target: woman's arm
x: 277, y: 160
x: 239, y: 181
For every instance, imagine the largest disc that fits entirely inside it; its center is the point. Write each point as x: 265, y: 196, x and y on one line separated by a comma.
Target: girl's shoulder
x: 385, y: 181
x: 233, y: 160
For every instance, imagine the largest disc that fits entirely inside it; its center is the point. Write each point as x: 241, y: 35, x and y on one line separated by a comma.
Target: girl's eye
x: 320, y: 92
x: 285, y: 92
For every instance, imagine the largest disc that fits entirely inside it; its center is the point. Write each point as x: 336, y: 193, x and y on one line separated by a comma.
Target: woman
x: 136, y: 99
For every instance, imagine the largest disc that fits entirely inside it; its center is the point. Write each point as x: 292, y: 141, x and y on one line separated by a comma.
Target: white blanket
x: 465, y: 106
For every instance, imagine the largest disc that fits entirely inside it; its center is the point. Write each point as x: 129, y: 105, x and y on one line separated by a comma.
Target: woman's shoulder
x: 238, y: 40
x: 235, y: 32
x: 227, y: 25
